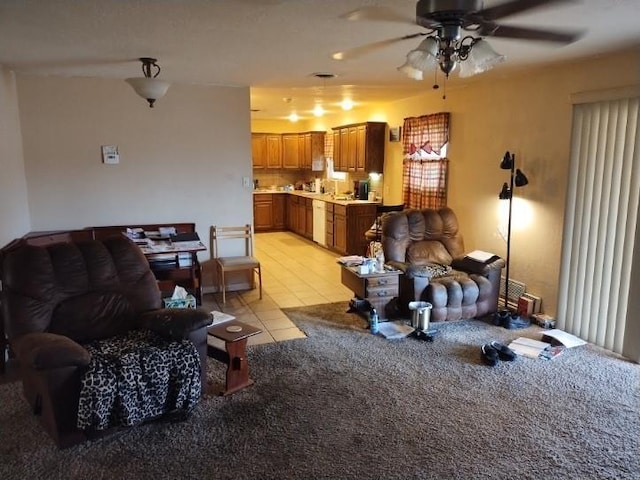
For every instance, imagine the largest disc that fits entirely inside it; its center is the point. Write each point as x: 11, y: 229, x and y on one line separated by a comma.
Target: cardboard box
x: 525, y: 306
x: 544, y: 320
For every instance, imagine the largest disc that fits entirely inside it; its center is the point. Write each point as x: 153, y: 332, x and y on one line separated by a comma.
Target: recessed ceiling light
x: 293, y: 117
x: 347, y: 104
x: 324, y: 75
x: 318, y: 111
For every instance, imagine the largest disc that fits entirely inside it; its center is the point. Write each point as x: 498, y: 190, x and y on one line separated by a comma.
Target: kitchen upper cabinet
x: 259, y: 150
x: 337, y: 151
x: 266, y: 150
x: 359, y: 147
x: 290, y: 151
x: 311, y: 148
x: 352, y: 139
x: 274, y: 151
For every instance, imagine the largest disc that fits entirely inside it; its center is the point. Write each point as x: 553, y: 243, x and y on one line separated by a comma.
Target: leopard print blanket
x: 136, y: 377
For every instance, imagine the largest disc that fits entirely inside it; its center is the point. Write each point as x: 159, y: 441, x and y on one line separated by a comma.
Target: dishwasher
x: 319, y: 218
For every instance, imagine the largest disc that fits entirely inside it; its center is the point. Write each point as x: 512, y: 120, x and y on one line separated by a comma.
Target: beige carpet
x: 344, y: 404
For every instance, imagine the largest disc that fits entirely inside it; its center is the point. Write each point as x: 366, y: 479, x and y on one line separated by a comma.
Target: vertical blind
x: 600, y: 221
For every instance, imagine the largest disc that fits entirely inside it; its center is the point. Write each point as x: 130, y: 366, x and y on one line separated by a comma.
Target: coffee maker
x: 361, y: 189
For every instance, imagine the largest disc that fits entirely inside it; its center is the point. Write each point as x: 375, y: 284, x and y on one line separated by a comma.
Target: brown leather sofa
x: 58, y: 297
x: 428, y: 247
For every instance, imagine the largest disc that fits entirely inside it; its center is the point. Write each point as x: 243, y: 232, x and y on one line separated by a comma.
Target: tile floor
x: 295, y: 272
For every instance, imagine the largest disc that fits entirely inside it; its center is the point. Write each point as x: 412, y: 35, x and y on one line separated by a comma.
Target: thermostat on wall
x: 110, y: 154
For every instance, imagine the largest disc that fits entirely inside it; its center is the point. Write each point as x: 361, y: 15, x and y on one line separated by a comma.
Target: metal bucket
x: 420, y: 315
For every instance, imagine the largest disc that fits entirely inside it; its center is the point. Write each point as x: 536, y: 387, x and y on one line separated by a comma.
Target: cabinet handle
x: 382, y: 293
x: 382, y: 281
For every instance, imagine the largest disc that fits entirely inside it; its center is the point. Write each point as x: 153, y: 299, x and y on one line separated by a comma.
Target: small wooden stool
x: 235, y: 335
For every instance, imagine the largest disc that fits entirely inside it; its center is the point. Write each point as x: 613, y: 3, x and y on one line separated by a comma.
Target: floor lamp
x: 517, y: 179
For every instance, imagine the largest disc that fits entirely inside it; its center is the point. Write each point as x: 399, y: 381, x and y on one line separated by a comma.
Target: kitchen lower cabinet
x: 269, y: 212
x: 279, y: 208
x: 308, y: 218
x: 346, y: 226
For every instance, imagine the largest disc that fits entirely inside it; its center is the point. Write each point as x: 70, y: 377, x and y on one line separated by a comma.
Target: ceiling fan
x: 447, y: 45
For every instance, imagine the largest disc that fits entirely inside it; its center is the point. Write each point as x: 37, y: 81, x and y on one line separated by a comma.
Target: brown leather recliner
x: 427, y: 246
x: 56, y: 298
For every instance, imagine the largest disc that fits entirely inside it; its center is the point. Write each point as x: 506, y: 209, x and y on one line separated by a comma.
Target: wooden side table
x: 235, y: 335
x: 377, y: 288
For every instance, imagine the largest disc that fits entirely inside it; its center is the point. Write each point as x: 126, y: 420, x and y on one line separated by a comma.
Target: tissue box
x: 189, y: 302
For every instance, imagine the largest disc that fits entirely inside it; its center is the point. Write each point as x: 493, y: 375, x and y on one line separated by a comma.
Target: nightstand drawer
x: 389, y: 281
x: 379, y: 292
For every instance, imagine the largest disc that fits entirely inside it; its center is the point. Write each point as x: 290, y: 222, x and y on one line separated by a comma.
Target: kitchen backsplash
x: 279, y: 178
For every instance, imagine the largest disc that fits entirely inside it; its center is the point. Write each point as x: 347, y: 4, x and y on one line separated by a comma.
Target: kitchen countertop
x: 326, y: 197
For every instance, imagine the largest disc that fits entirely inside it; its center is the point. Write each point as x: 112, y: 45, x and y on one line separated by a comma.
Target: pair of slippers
x: 494, y: 351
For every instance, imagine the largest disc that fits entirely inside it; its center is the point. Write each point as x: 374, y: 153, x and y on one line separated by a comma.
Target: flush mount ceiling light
x: 149, y: 87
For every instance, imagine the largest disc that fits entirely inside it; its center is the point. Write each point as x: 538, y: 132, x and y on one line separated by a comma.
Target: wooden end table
x: 235, y: 335
x: 377, y: 288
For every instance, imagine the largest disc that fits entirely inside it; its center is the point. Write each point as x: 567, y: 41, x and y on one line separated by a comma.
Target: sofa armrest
x: 470, y: 265
x: 175, y: 323
x: 402, y: 266
x: 45, y: 351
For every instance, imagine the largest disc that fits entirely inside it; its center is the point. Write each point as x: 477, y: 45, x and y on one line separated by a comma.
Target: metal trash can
x: 420, y: 315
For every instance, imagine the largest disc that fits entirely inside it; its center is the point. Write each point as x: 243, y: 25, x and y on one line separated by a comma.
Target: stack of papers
x: 219, y: 317
x: 561, y: 337
x: 528, y: 347
x: 394, y: 330
x: 351, y: 260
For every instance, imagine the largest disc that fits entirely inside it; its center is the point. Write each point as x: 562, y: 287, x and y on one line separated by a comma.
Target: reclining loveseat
x: 427, y: 246
x: 96, y: 351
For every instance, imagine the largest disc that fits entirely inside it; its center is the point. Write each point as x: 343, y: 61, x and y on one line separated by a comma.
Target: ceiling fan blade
x: 512, y: 7
x: 382, y: 14
x: 524, y: 33
x: 371, y: 47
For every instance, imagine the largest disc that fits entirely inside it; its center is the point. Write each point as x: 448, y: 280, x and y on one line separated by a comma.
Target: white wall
x: 14, y: 208
x: 182, y: 161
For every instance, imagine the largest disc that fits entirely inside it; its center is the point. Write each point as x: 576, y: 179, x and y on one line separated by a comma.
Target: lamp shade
x: 409, y: 71
x: 520, y: 179
x: 425, y: 56
x: 481, y: 58
x: 505, y: 193
x: 151, y: 89
x: 507, y: 162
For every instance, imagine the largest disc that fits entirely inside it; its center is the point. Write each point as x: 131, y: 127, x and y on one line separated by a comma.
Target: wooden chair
x: 235, y: 263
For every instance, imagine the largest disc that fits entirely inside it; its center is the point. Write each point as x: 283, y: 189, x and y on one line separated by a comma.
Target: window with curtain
x: 425, y: 164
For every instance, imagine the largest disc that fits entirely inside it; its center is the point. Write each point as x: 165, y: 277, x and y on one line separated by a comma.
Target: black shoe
x: 489, y: 354
x: 504, y: 352
x: 516, y: 321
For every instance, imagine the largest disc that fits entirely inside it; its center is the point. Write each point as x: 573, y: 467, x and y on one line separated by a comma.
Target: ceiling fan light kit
x: 149, y: 87
x: 446, y: 47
